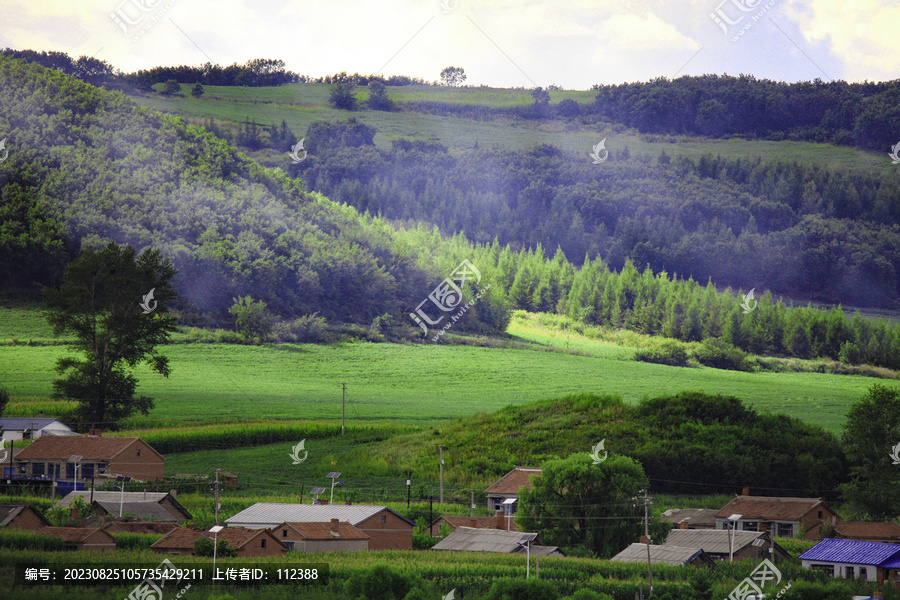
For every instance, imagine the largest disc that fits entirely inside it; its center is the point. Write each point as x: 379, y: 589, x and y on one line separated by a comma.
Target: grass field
x: 301, y: 104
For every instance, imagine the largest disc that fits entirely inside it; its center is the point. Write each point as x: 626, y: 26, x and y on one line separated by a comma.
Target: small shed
x: 321, y: 537
x: 247, y: 542
x: 82, y: 538
x: 718, y: 543
x: 22, y: 516
x: 494, y: 540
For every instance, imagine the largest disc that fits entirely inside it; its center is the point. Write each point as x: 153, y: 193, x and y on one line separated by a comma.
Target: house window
x: 862, y: 573
x: 290, y: 545
x: 848, y: 572
x: 284, y: 533
x: 824, y: 568
x: 785, y: 530
x: 384, y: 518
x: 70, y: 470
x: 87, y: 470
x: 138, y: 451
x: 750, y: 526
x: 37, y: 469
x: 820, y: 515
x: 262, y: 543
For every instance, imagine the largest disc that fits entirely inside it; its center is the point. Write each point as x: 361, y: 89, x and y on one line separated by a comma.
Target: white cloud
x: 643, y: 33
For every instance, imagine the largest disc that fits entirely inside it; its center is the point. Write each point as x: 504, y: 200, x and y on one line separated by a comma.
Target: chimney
x: 501, y: 519
x: 96, y: 432
x: 334, y: 525
x: 683, y: 525
x: 643, y: 539
x: 173, y: 492
x: 745, y: 492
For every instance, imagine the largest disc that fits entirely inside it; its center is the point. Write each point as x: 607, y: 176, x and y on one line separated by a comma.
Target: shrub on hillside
x: 719, y: 354
x: 308, y: 329
x: 669, y: 353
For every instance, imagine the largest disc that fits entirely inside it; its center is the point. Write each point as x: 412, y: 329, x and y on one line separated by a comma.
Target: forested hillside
x: 86, y: 166
x: 823, y: 234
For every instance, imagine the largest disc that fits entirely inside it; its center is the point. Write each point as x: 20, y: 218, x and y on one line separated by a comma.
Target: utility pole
x: 441, y: 450
x: 343, y: 405
x: 472, y: 504
x: 408, y: 487
x: 430, y: 514
x: 217, y: 496
x: 647, y: 503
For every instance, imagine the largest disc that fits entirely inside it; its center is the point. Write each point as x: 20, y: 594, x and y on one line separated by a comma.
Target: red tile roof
x: 764, y: 508
x: 322, y: 531
x: 144, y: 527
x: 513, y: 481
x: 184, y: 539
x: 90, y: 448
x: 862, y: 530
x: 479, y: 522
x: 9, y: 512
x: 74, y: 534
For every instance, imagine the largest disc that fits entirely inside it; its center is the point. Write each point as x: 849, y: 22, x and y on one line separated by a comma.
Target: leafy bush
x: 308, y: 329
x: 719, y: 354
x: 204, y: 547
x: 136, y: 541
x: 378, y: 582
x: 669, y: 353
x: 585, y: 594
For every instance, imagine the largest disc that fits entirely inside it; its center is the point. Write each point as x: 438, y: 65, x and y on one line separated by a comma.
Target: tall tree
x: 116, y: 305
x: 342, y: 92
x: 574, y: 502
x: 871, y: 434
x: 453, y: 76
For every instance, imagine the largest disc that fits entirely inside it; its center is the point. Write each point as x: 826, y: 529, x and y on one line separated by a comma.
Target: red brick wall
x: 146, y: 467
x: 393, y: 534
x: 254, y: 547
x: 27, y: 519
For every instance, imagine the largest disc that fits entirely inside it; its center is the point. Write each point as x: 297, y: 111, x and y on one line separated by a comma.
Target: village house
x: 73, y: 460
x: 866, y: 531
x: 321, y: 537
x: 500, y: 521
x: 248, y: 543
x: 717, y: 543
x: 784, y: 517
x: 387, y: 530
x: 82, y: 538
x: 106, y: 503
x: 691, y: 518
x: 495, y: 540
x: 503, y: 494
x: 853, y: 559
x: 32, y: 428
x: 667, y: 555
x: 22, y: 516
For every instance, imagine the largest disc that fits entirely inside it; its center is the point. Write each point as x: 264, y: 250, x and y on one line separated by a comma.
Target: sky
x: 573, y: 44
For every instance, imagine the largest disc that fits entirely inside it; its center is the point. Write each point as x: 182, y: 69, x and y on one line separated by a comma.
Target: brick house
x: 387, y: 530
x: 321, y: 537
x: 507, y: 489
x: 49, y: 458
x: 106, y: 503
x: 22, y: 516
x: 500, y: 521
x: 249, y: 543
x: 82, y: 538
x: 784, y: 517
x: 717, y: 543
x: 866, y: 531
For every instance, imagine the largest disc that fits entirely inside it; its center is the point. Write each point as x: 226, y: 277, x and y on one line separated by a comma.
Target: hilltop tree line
x: 804, y: 231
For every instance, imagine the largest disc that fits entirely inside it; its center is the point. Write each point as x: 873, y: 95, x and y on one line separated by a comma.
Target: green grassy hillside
x: 303, y: 103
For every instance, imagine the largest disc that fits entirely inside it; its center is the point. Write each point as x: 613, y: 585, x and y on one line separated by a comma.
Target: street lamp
x: 215, y: 531
x: 75, y: 459
x: 733, y: 519
x: 333, y: 476
x: 526, y: 541
x: 507, y: 506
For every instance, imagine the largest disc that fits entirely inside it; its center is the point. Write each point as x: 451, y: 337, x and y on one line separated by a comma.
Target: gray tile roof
x: 22, y: 423
x: 108, y: 496
x: 268, y: 514
x: 694, y: 516
x: 485, y: 540
x: 713, y: 541
x: 669, y: 555
x: 142, y: 510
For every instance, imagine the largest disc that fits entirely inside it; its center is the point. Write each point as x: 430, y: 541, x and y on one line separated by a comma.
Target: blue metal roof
x: 853, y: 552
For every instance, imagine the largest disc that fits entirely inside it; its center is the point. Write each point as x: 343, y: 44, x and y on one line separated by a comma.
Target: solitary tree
x: 251, y: 318
x: 378, y: 98
x: 197, y: 90
x: 171, y: 87
x: 116, y: 305
x: 871, y: 434
x: 342, y: 92
x: 453, y: 76
x: 574, y: 502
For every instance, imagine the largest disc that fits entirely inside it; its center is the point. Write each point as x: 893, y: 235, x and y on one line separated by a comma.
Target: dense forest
x: 823, y: 234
